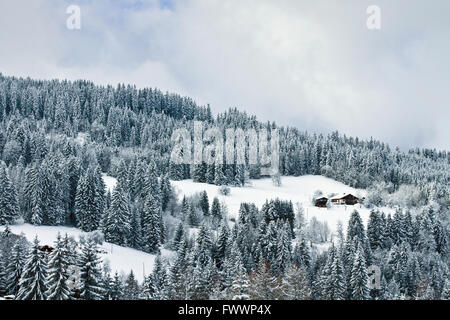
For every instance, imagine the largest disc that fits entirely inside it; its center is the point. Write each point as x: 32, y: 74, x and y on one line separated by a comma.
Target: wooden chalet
x: 321, y: 202
x: 348, y: 199
x: 46, y: 249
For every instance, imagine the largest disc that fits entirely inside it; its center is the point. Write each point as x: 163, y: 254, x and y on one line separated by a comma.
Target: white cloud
x: 313, y: 65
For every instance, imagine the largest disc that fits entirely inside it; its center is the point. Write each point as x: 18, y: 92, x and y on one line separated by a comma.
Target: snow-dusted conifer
x: 90, y: 272
x: 57, y: 288
x: 32, y: 282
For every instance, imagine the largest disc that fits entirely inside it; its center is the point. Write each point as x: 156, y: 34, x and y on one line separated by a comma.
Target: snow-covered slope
x: 110, y: 182
x: 297, y: 189
x: 119, y: 258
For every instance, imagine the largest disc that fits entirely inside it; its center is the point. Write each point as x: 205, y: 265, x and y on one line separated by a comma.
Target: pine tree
x: 152, y: 227
x: 200, y: 282
x: 355, y: 226
x: 57, y: 288
x: 8, y: 199
x: 222, y: 247
x: 239, y: 178
x: 204, y: 203
x: 199, y: 172
x: 116, y: 288
x: 136, y: 237
x: 176, y: 171
x: 131, y: 288
x: 89, y: 201
x: 193, y: 217
x: 219, y: 178
x: 426, y: 239
x: 301, y: 254
x: 15, y: 267
x: 117, y: 226
x: 386, y: 236
x: 90, y: 273
x: 204, y: 246
x: 359, y: 278
x: 5, y: 257
x: 392, y: 291
x: 177, y: 280
x: 241, y: 287
x: 34, y: 192
x: 32, y: 282
x: 159, y: 279
x: 178, y: 237
x: 107, y: 283
x: 216, y: 211
x: 166, y: 191
x: 374, y: 230
x: 184, y: 209
x: 138, y: 188
x: 337, y: 279
x: 283, y: 250
x: 210, y: 174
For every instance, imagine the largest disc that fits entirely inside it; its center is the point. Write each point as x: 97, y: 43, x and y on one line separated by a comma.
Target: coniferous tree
x: 178, y: 237
x: 219, y: 176
x: 358, y: 280
x: 177, y: 278
x: 152, y: 227
x: 166, y: 191
x: 301, y: 254
x: 136, y: 236
x: 34, y: 192
x: 204, y: 203
x: 159, y: 280
x: 89, y: 202
x: 8, y: 201
x: 203, y: 246
x: 223, y: 242
x: 90, y: 272
x: 57, y: 288
x: 193, y: 217
x: 15, y: 266
x: 116, y: 288
x: 216, y: 212
x: 374, y: 229
x: 131, y: 288
x: 107, y: 283
x: 241, y: 287
x: 283, y: 250
x: 117, y: 226
x: 32, y: 281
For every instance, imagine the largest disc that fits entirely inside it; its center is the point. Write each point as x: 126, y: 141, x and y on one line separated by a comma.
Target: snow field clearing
x: 296, y: 189
x: 119, y: 259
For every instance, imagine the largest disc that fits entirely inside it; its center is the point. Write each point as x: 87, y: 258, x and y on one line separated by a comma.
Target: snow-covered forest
x: 60, y: 139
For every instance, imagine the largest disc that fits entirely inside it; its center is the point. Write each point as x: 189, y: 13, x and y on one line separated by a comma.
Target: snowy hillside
x: 296, y: 189
x: 120, y: 259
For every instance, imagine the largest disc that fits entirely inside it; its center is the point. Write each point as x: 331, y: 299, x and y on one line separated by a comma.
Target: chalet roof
x: 322, y: 198
x: 349, y: 196
x: 346, y: 196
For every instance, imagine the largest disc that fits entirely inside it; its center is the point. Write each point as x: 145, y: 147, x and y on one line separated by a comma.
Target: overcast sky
x: 311, y: 64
